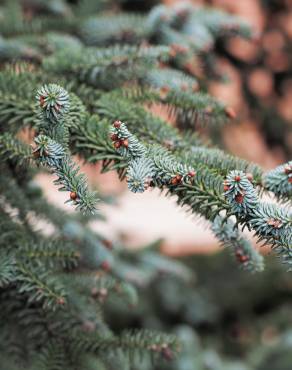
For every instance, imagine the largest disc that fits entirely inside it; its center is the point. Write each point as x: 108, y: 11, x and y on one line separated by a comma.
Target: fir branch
x: 54, y: 104
x: 131, y: 342
x: 200, y: 192
x: 40, y: 286
x: 167, y: 79
x: 111, y: 29
x: 195, y: 108
x: 222, y: 162
x: 7, y: 269
x: 13, y: 149
x: 154, y: 130
x: 279, y: 181
x: 105, y: 68
x: 126, y: 144
x: 140, y: 173
x: 240, y: 193
x: 51, y: 154
x: 108, y: 287
x: 54, y: 254
x: 230, y: 237
x: 272, y: 223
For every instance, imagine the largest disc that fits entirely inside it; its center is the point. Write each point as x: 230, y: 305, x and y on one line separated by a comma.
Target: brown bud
x: 114, y: 137
x: 208, y: 110
x: 153, y: 347
x: 105, y: 266
x: 61, y: 301
x: 184, y: 86
x: 36, y: 154
x: 165, y: 89
x: 103, y: 292
x: 177, y: 49
x: 169, y: 144
x: 117, y: 144
x: 174, y: 181
x: 276, y: 224
x: 147, y: 183
x: 167, y: 353
x: 73, y: 195
x: 192, y: 173
x: 179, y: 178
x: 117, y: 124
x: 230, y: 112
x: 243, y: 259
x: 249, y: 176
x: 195, y: 87
x: 239, y: 198
x: 240, y: 256
x: 125, y: 143
x: 94, y: 292
x: 288, y: 169
x: 226, y: 187
x: 237, y: 178
x: 42, y: 101
x: 108, y: 244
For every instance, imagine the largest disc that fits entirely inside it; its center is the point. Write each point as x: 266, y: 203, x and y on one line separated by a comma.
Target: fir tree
x: 82, y: 80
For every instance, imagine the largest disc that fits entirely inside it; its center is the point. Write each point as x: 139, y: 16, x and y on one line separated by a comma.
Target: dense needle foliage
x: 82, y: 79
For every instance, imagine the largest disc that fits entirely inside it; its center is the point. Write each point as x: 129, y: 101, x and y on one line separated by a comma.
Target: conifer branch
x: 279, y: 181
x: 230, y: 237
x: 40, y: 286
x: 51, y: 150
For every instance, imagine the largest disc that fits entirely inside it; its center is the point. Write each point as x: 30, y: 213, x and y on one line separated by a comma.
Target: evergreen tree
x: 82, y: 79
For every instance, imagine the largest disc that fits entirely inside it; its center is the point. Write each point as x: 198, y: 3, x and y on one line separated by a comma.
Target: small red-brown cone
x: 117, y: 124
x: 125, y: 143
x: 249, y: 176
x: 174, y: 181
x: 239, y: 198
x: 117, y: 144
x: 42, y: 101
x: 36, y: 154
x: 184, y: 87
x: 192, y: 173
x: 103, y: 292
x: 288, y: 169
x: 241, y: 257
x: 276, y: 224
x: 73, y: 195
x: 167, y: 353
x: 114, y: 137
x: 94, y: 292
x: 237, y: 178
x: 61, y: 301
x: 290, y: 180
x: 208, y: 110
x: 179, y: 178
x: 226, y: 187
x: 230, y: 112
x: 165, y: 89
x: 105, y: 266
x: 107, y: 243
